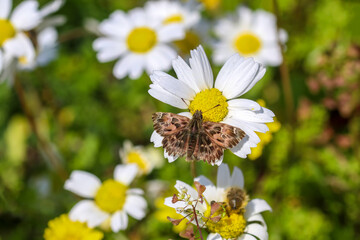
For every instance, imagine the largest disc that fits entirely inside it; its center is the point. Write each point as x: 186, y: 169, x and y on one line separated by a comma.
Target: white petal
x: 256, y: 230
x: 225, y: 73
x: 237, y: 178
x: 135, y: 191
x: 244, y: 104
x: 87, y: 211
x: 245, y: 126
x: 123, y: 66
x: 171, y: 32
x: 159, y: 58
x: 26, y: 15
x: 5, y: 8
x: 257, y: 218
x: 204, y: 181
x: 1, y: 61
x: 201, y: 68
x: 218, y: 161
x: 111, y: 26
x: 241, y: 78
x: 256, y: 206
x: 135, y: 206
x: 125, y: 173
x: 156, y: 139
x: 223, y: 176
x: 108, y: 49
x: 119, y: 221
x: 172, y: 85
x: 184, y: 73
x: 162, y: 95
x: 214, y: 236
x: 190, y: 190
x: 51, y: 7
x: 179, y: 204
x: 170, y: 158
x: 243, y: 148
x: 213, y: 193
x: 137, y: 67
x: 271, y: 55
x: 83, y: 184
x: 247, y: 237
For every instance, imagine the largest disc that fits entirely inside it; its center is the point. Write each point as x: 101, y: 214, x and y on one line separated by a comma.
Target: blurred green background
x: 309, y: 173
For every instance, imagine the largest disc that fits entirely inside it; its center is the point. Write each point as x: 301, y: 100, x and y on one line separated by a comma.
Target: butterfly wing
x: 166, y: 124
x: 173, y: 128
x: 224, y: 135
x: 207, y: 150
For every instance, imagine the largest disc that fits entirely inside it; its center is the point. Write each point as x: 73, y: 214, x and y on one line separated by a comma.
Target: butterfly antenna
x: 185, y: 102
x: 212, y: 108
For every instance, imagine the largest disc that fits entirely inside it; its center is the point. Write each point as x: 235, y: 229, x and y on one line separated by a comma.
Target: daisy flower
x: 63, y: 228
x: 145, y: 158
x: 186, y: 15
x: 111, y: 201
x: 195, y: 89
x: 139, y: 40
x: 16, y: 27
x: 251, y: 34
x: 242, y: 219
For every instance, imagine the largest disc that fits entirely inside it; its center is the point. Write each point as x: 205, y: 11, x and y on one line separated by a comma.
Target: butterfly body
x: 194, y: 138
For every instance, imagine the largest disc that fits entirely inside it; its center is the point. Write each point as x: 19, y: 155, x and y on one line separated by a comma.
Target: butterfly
x: 194, y: 138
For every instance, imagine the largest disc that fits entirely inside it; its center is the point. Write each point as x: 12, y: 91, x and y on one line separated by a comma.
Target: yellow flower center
x: 176, y: 18
x: 211, y: 103
x: 7, y: 30
x: 247, y: 43
x: 190, y: 42
x: 111, y: 196
x: 211, y: 4
x: 141, y: 39
x: 62, y: 228
x: 135, y: 157
x: 229, y: 227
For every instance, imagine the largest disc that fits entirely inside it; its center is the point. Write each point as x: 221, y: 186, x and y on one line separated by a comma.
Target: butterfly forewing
x: 169, y: 123
x: 223, y: 134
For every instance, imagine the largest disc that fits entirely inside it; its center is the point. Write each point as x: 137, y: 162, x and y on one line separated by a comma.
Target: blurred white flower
x: 145, y: 158
x: 17, y: 33
x: 111, y: 201
x: 251, y: 34
x: 139, y: 40
x: 195, y: 89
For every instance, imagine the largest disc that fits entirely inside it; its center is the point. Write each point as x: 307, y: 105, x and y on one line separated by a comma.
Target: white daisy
x: 15, y: 45
x: 174, y: 12
x: 145, y: 158
x: 186, y: 14
x: 251, y: 34
x: 138, y: 40
x: 195, y: 90
x: 111, y: 200
x: 242, y: 225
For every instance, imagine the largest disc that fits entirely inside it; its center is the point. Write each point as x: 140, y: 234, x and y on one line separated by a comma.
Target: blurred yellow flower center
x: 141, y: 39
x: 190, y: 42
x: 211, y: 4
x: 247, y: 43
x: 62, y: 228
x: 211, y: 103
x: 111, y: 196
x: 135, y: 157
x: 229, y: 227
x: 7, y: 30
x: 176, y: 18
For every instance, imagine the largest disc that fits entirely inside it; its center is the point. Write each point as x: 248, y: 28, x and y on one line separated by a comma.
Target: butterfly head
x: 198, y: 115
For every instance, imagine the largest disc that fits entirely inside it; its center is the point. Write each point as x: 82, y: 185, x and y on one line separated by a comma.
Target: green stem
x: 43, y: 145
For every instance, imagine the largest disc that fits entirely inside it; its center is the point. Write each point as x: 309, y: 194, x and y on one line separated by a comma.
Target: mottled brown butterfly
x: 194, y: 138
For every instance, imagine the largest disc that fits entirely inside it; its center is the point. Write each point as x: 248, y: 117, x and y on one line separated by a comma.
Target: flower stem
x: 193, y: 168
x: 284, y: 71
x: 197, y: 224
x: 43, y: 145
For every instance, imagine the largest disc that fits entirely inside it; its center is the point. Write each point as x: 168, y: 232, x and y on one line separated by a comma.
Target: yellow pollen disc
x: 62, y: 228
x: 247, y: 43
x: 141, y: 40
x: 7, y: 30
x: 176, y: 18
x: 135, y: 157
x: 207, y: 102
x: 229, y: 227
x: 111, y: 196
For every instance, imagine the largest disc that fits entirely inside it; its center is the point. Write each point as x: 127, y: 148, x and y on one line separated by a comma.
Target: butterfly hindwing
x: 207, y: 150
x: 224, y: 135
